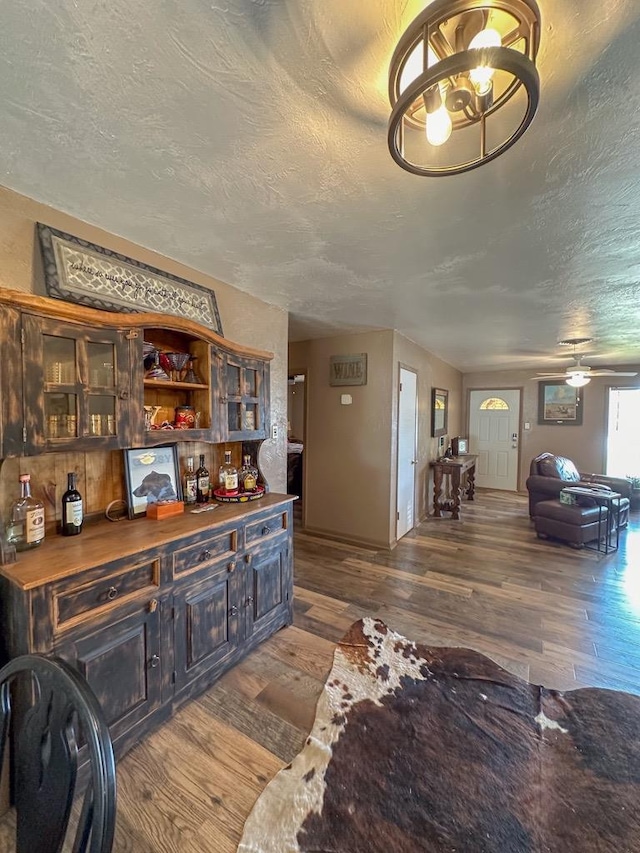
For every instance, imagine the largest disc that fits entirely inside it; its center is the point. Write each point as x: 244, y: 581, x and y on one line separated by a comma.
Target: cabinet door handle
x: 248, y: 558
x: 266, y: 530
x: 124, y: 395
x: 233, y: 611
x: 206, y: 554
x: 112, y: 593
x: 232, y: 566
x: 249, y: 601
x: 153, y: 605
x: 154, y: 662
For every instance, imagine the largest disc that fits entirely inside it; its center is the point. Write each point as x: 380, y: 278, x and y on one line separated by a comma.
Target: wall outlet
x: 274, y: 431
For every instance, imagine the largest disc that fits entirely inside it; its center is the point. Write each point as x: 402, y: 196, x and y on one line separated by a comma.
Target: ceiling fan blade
x: 550, y: 376
x: 611, y: 373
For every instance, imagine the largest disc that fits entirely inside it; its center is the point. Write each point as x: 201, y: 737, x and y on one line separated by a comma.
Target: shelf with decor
x: 175, y: 369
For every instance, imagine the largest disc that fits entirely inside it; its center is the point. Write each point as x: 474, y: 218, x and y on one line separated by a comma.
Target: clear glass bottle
x: 190, y: 483
x: 26, y: 525
x: 72, y: 514
x: 248, y: 476
x: 230, y: 475
x: 202, y: 482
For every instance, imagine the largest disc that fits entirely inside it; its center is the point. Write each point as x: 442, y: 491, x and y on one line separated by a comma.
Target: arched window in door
x: 494, y: 403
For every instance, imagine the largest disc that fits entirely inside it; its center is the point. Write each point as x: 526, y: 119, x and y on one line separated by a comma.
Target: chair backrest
x: 60, y: 713
x: 558, y: 467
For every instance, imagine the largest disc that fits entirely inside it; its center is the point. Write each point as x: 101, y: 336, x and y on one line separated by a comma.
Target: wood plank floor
x: 551, y: 614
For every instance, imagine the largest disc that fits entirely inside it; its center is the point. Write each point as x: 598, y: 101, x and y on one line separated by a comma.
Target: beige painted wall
x: 585, y: 444
x: 347, y: 448
x: 351, y: 451
x: 432, y: 373
x: 245, y: 319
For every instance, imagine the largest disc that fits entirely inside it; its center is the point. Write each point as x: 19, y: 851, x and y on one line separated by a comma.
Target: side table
x: 609, y: 520
x: 454, y: 468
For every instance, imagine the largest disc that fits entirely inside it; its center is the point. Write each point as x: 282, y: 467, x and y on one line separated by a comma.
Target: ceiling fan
x: 578, y: 374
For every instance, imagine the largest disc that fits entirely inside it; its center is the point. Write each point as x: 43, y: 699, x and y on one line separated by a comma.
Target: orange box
x: 165, y: 509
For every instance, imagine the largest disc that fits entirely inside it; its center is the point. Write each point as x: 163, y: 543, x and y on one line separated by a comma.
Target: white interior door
x: 494, y: 418
x: 407, y: 423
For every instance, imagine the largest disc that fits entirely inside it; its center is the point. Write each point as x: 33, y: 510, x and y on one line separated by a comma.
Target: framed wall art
x: 152, y: 475
x: 81, y: 272
x: 559, y: 404
x: 348, y: 369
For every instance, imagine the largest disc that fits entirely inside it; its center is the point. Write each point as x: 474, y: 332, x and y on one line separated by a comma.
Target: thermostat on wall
x: 346, y: 399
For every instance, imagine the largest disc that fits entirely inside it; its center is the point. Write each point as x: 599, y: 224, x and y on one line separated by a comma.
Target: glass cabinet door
x: 77, y: 385
x: 244, y: 398
x: 60, y: 387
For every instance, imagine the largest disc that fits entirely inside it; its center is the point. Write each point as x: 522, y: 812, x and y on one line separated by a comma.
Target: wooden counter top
x: 103, y: 541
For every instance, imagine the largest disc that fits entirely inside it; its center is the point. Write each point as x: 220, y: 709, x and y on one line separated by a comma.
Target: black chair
x: 61, y: 713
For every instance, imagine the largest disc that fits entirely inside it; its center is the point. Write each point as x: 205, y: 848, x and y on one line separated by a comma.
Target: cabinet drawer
x: 110, y: 589
x: 266, y: 527
x: 196, y: 556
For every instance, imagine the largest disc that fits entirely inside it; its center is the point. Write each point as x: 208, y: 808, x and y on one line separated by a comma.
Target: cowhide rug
x: 440, y: 749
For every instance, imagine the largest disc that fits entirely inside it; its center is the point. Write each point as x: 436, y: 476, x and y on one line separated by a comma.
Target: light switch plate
x: 346, y: 399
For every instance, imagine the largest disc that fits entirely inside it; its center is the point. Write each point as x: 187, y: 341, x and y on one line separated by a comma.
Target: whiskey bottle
x: 230, y: 475
x: 248, y: 476
x: 26, y: 527
x: 202, y: 482
x: 72, y: 514
x: 190, y: 483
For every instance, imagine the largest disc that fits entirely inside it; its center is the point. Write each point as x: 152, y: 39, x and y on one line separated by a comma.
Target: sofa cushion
x: 559, y: 467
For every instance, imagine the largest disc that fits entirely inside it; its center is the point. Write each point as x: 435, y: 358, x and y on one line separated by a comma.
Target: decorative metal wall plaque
x: 81, y: 272
x: 348, y: 369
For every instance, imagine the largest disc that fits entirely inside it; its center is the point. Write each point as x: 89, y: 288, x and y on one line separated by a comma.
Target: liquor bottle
x: 202, y: 482
x: 190, y: 483
x: 72, y: 514
x: 26, y: 527
x: 248, y: 476
x: 230, y: 475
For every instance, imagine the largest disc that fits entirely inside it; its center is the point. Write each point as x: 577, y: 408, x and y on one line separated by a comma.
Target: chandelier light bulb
x: 482, y: 75
x: 438, y: 126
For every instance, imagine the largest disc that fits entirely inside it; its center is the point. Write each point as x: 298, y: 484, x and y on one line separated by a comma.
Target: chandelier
x: 463, y: 84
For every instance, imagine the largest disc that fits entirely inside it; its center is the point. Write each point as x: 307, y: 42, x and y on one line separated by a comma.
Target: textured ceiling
x: 247, y: 139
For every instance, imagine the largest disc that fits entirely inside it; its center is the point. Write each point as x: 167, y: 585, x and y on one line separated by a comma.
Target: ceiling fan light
x: 578, y: 380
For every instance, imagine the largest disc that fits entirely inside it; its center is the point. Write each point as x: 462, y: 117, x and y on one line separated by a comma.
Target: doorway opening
x: 407, y: 444
x: 623, y: 447
x: 296, y: 438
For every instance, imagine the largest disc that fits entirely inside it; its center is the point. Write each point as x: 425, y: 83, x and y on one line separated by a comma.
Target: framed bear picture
x: 152, y: 475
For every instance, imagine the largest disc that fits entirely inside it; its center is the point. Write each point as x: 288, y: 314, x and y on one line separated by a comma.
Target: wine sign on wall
x: 81, y: 272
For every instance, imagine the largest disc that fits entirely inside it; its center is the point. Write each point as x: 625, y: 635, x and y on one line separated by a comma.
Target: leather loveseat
x: 549, y: 474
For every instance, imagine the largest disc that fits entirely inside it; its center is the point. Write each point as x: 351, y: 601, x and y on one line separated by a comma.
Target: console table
x: 457, y: 468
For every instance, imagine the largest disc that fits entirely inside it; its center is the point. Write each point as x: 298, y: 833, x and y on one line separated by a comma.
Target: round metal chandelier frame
x: 456, y: 65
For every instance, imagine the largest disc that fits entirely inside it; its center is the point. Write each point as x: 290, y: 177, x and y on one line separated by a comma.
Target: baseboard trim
x: 349, y: 540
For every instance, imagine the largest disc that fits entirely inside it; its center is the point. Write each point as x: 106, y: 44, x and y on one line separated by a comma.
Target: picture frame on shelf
x: 152, y: 475
x: 559, y: 404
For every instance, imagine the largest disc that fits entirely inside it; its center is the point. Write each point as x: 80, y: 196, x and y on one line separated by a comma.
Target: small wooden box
x: 165, y: 509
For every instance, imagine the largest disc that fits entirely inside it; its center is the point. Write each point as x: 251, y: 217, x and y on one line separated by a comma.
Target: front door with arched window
x: 494, y: 418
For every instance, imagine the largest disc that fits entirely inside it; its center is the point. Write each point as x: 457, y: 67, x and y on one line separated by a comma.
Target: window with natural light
x: 623, y: 447
x: 493, y: 403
